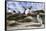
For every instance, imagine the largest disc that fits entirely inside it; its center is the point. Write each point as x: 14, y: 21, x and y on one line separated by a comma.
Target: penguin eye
x: 13, y: 11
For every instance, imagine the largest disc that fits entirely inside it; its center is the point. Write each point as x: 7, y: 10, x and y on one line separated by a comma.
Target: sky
x: 17, y: 6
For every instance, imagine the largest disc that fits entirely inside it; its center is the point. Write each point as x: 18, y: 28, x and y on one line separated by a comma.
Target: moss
x: 14, y: 24
x: 25, y: 20
x: 16, y: 17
